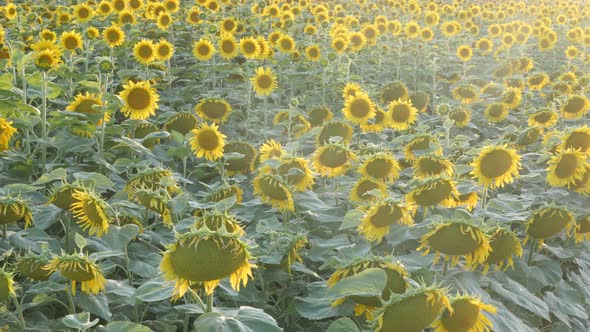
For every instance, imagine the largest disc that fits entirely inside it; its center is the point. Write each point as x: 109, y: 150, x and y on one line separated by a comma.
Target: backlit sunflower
x: 496, y: 112
x: 204, y: 258
x: 144, y: 51
x: 401, y: 115
x: 6, y: 133
x: 427, y: 166
x: 208, y: 142
x: 577, y: 139
x: 396, y: 281
x: 273, y: 191
x: 13, y: 210
x: 544, y: 118
x: 113, y: 36
x: 505, y: 245
x: 203, y: 49
x: 575, y: 107
x: 547, y: 222
x: 249, y: 47
x: 85, y: 103
x: 456, y: 239
x: 394, y: 91
x: 380, y: 167
x: 461, y: 116
x: 265, y: 81
x: 381, y: 215
x: 466, y: 93
x: 434, y: 191
x: 90, y: 212
x: 71, y: 40
x: 181, y: 122
x: 566, y: 168
x: 228, y: 47
x: 359, y: 108
x: 213, y: 109
x: 465, y: 315
x: 141, y: 100
x: 496, y: 166
x: 79, y: 268
x: 332, y: 160
x: 414, y: 310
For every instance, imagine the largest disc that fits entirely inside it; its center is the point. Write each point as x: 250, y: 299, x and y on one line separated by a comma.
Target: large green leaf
x: 245, y: 319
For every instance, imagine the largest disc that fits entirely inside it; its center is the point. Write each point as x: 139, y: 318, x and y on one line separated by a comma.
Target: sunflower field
x: 294, y: 165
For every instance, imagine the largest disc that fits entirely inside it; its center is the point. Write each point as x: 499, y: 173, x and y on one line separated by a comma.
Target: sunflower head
x: 422, y: 145
x: 466, y: 93
x: 264, y: 82
x: 465, y: 315
x: 87, y: 103
x: 271, y: 149
x: 241, y: 163
x: 71, y: 40
x: 7, y: 287
x: 582, y: 230
x: 394, y: 91
x: 456, y: 239
x: 33, y: 266
x: 228, y: 46
x: 164, y: 50
x: 544, y: 118
x: 14, y: 209
x: 62, y: 197
x: 496, y: 166
x: 367, y: 189
x: 319, y: 115
x: 401, y: 114
x: 156, y: 201
x: 381, y: 215
x: 6, y: 133
x: 141, y: 130
x: 205, y: 257
x: 113, y: 36
x: 295, y: 171
x: 154, y: 179
x: 332, y: 160
x: 225, y: 192
x: 216, y: 220
x: 47, y: 59
x: 547, y: 222
x: 140, y: 100
x: 428, y: 166
x: 566, y: 168
x: 272, y: 190
x: 504, y: 245
x: 203, y: 49
x: 577, y: 139
x: 181, y: 122
x: 334, y: 130
x: 381, y: 167
x: 90, y: 212
x: 208, y: 142
x: 413, y: 310
x: 79, y: 268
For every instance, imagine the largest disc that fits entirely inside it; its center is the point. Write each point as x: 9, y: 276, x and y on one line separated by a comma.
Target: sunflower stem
x: 67, y: 227
x: 70, y: 301
x: 529, y: 259
x: 185, y: 324
x: 44, y: 121
x: 209, y: 303
x: 265, y: 112
x: 4, y: 229
x: 19, y: 311
x: 445, y: 268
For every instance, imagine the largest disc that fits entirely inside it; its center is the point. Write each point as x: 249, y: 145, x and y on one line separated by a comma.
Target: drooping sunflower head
x: 401, y: 114
x: 538, y: 81
x: 143, y: 129
x: 512, y: 97
x: 332, y: 160
x: 271, y: 149
x: 582, y: 230
x: 213, y: 109
x: 420, y: 100
x: 155, y: 200
x: 90, y: 212
x: 427, y: 166
x: 466, y: 315
x: 6, y: 133
x: 62, y: 197
x: 413, y: 310
x: 79, y: 268
x: 544, y: 118
x: 466, y: 93
x: 86, y: 103
x: 225, y: 192
x: 205, y: 257
x: 264, y: 82
x: 181, y: 122
x: 504, y: 246
x: 566, y: 168
x: 381, y: 167
x: 469, y: 200
x: 422, y: 145
x: 7, y: 286
x: 434, y: 191
x: 240, y: 160
x: 216, y: 220
x: 272, y: 190
x: 14, y: 209
x: 208, y: 142
x: 461, y: 116
x: 141, y: 100
x: 547, y: 222
x: 577, y: 139
x: 359, y: 108
x: 528, y: 137
x: 295, y: 171
x: 381, y: 215
x: 335, y: 129
x: 456, y: 239
x: 496, y: 166
x: 33, y: 266
x: 366, y: 190
x: 295, y: 124
x: 575, y: 107
x: 319, y: 115
x: 496, y: 112
x: 394, y: 91
x: 152, y: 178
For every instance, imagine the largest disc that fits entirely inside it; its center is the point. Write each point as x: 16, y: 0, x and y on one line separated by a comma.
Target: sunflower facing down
x: 394, y: 91
x: 273, y: 191
x: 239, y: 164
x: 582, y: 230
x: 79, y: 268
x: 566, y: 168
x: 265, y: 81
x: 366, y: 190
x: 294, y: 171
x: 335, y: 129
x: 427, y: 166
x: 13, y: 210
x: 205, y: 257
x: 575, y: 107
x: 469, y: 200
x: 181, y: 122
x: 414, y: 310
x: 208, y: 142
x: 456, y: 239
x: 466, y: 94
x: 90, y: 210
x: 496, y: 166
x: 7, y: 287
x: 213, y: 109
x: 6, y: 133
x: 224, y: 192
x: 434, y: 191
x: 547, y: 222
x: 465, y: 315
x: 422, y: 145
x: 544, y: 118
x: 505, y: 244
x: 381, y: 215
x: 156, y: 201
x: 271, y: 149
x: 216, y: 220
x: 381, y: 167
x: 332, y: 160
x: 85, y: 104
x: 577, y: 139
x: 141, y: 100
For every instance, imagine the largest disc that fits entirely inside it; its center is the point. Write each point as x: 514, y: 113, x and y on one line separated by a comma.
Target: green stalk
x: 4, y: 229
x: 529, y: 260
x: 210, y: 302
x: 19, y: 310
x: 44, y: 121
x: 70, y: 301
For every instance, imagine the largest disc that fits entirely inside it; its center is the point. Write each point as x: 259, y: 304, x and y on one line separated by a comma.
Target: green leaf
x: 118, y: 238
x: 46, y: 287
x: 98, y: 180
x: 517, y: 294
x: 80, y: 241
x: 56, y: 174
x: 152, y: 291
x: 95, y: 304
x: 369, y: 282
x: 245, y: 319
x: 352, y: 219
x: 124, y: 327
x: 343, y: 324
x: 79, y: 321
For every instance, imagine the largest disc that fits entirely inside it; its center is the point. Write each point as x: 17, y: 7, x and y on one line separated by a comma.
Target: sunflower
x: 140, y: 100
x: 272, y: 190
x: 434, y: 191
x: 582, y: 185
x: 13, y: 210
x: 396, y: 282
x: 46, y: 59
x: 286, y: 44
x: 126, y: 17
x: 208, y: 142
x: 295, y: 171
x: 420, y: 100
x: 544, y: 118
x: 461, y: 116
x: 547, y: 222
x: 575, y: 107
x: 228, y: 47
x: 339, y: 44
x: 205, y: 257
x: 193, y: 15
x: 163, y: 50
x: 359, y: 108
x: 319, y: 115
x: 216, y: 220
x: 538, y: 81
x: 92, y: 33
x: 496, y: 112
x: 156, y: 200
x: 356, y: 41
x: 505, y: 244
x: 377, y: 123
x: 271, y: 149
x: 465, y: 315
x: 83, y: 12
x: 313, y: 53
x: 401, y: 114
x: 582, y: 230
x: 566, y: 168
x: 141, y: 130
x: 464, y: 53
x: 119, y: 5
x: 152, y: 179
x: 47, y: 35
x: 225, y: 192
x: 249, y: 47
x: 469, y: 200
x: 381, y: 215
x: 113, y: 36
x: 496, y: 166
x: 144, y: 51
x: 576, y: 139
x: 7, y: 131
x: 334, y: 130
x: 366, y: 190
x: 265, y: 81
x: 484, y: 45
x: 164, y: 20
x: 6, y: 285
x: 512, y: 97
x: 332, y: 160
x: 90, y: 210
x: 294, y: 124
x: 466, y: 93
x: 71, y: 40
x: 422, y: 145
x: 238, y: 164
x: 213, y: 109
x: 85, y: 104
x: 350, y: 89
x: 394, y: 91
x: 414, y: 310
x: 380, y: 167
x: 33, y: 266
x: 427, y: 166
x: 265, y: 50
x: 528, y: 137
x: 203, y: 49
x: 79, y: 268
